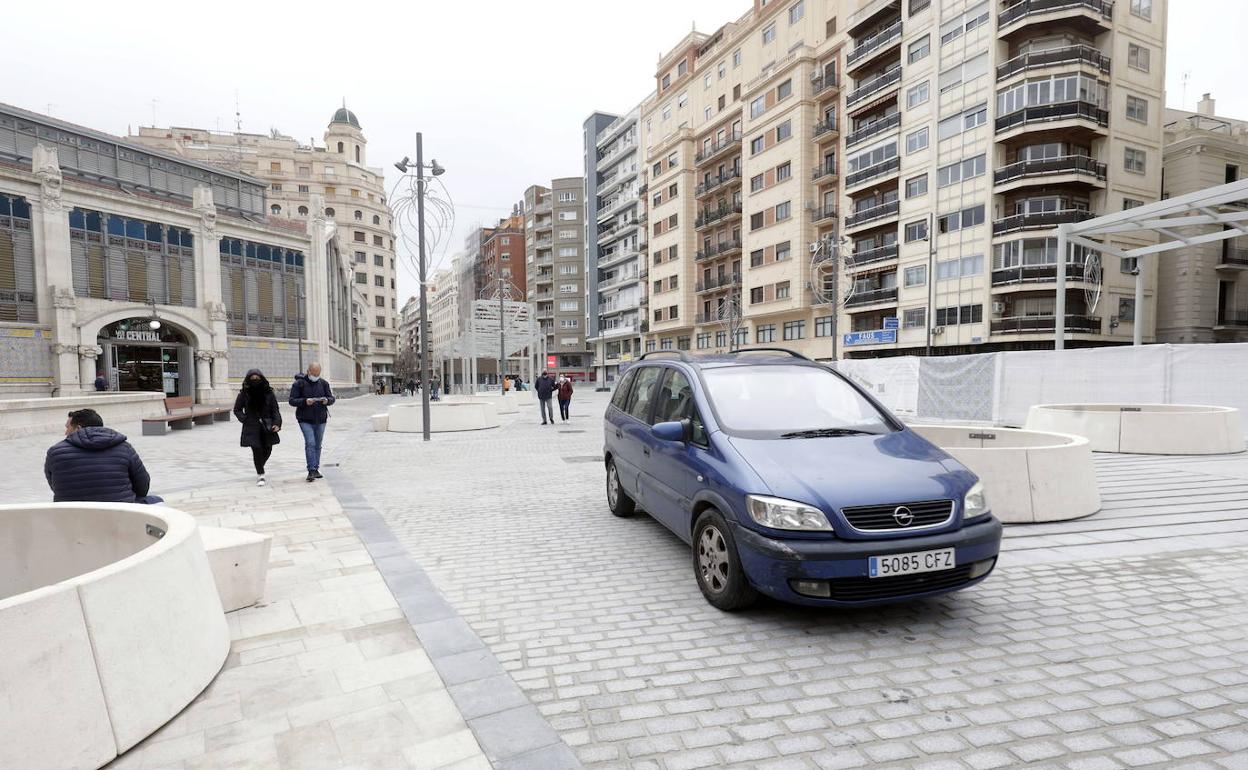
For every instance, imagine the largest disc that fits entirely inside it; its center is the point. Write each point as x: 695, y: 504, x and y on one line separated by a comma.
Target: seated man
x: 95, y: 464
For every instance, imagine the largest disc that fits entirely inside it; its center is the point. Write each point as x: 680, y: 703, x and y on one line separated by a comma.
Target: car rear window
x: 775, y: 399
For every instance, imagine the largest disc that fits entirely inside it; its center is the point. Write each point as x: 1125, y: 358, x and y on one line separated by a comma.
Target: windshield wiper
x: 827, y: 433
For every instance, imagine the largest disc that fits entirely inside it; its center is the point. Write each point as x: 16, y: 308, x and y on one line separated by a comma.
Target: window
x: 671, y: 252
x: 758, y: 106
x: 1142, y: 8
x: 782, y: 211
x: 569, y: 305
x: 965, y: 72
x: 756, y: 183
x: 914, y: 318
x: 765, y: 333
x: 303, y: 211
x: 673, y: 161
x: 919, y: 49
x: 361, y: 278
x: 917, y: 6
x: 796, y: 11
x: 916, y: 186
x: 567, y: 216
x: 961, y: 267
x: 379, y: 260
x: 1131, y: 203
x: 769, y: 33
x: 736, y: 58
x: 917, y: 95
x: 756, y: 259
x: 359, y: 215
x: 961, y: 171
x: 1054, y: 90
x: 1137, y: 109
x: 379, y: 301
x: 756, y: 295
x: 275, y: 209
x: 784, y: 130
x: 657, y: 171
x: 673, y: 313
x: 963, y: 121
x: 784, y: 171
x: 756, y: 220
x: 359, y: 237
x: 673, y: 282
x: 873, y: 157
x: 682, y: 343
x: 782, y: 290
x: 966, y: 314
x: 707, y: 80
x: 917, y: 140
x: 704, y: 341
x: 784, y: 90
x: 378, y: 240
x: 1137, y: 57
x: 376, y: 219
x: 567, y: 288
x: 667, y: 110
x: 361, y: 257
x: 823, y: 326
x: 794, y: 330
x: 682, y: 68
x: 276, y: 187
x: 915, y: 276
x: 721, y: 70
x: 916, y: 231
x: 667, y: 81
x: 783, y: 251
x: 1134, y: 160
x: 276, y: 166
x: 682, y: 100
x: 642, y: 392
x: 960, y: 220
x: 959, y: 25
x: 757, y: 145
x: 379, y: 281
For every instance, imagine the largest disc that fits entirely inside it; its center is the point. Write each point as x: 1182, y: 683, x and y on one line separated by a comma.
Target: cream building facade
x: 554, y: 235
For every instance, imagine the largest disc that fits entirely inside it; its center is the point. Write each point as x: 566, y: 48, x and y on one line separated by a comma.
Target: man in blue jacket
x: 95, y: 464
x: 311, y: 397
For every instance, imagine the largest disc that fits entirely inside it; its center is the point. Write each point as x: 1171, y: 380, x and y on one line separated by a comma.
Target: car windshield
x: 790, y: 402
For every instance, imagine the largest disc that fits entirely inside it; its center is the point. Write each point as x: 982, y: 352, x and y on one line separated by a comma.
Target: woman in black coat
x: 256, y: 408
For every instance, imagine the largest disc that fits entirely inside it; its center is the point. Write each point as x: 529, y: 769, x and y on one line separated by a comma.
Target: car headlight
x: 975, y: 504
x: 778, y: 513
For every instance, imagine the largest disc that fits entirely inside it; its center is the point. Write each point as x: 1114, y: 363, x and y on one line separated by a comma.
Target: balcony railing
x: 825, y: 126
x: 1035, y: 274
x: 872, y: 297
x: 1026, y: 8
x: 1080, y: 324
x: 874, y: 86
x: 1071, y: 54
x: 710, y: 318
x: 871, y: 256
x: 874, y: 43
x: 723, y: 247
x: 1067, y: 164
x: 718, y: 282
x: 1236, y: 318
x: 1234, y: 258
x: 878, y: 127
x: 890, y: 166
x: 823, y: 169
x: 718, y: 181
x: 619, y: 279
x: 733, y: 138
x: 872, y: 214
x: 1044, y: 113
x: 823, y: 82
x: 824, y: 212
x: 1040, y: 219
x: 711, y: 216
x: 543, y: 243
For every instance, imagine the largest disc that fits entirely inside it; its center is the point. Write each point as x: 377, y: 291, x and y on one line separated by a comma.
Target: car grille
x: 880, y: 518
x: 863, y: 589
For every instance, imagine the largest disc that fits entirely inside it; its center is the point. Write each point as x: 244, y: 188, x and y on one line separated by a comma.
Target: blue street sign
x: 873, y: 337
x: 891, y: 322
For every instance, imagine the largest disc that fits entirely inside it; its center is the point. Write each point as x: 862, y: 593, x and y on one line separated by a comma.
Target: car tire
x: 717, y: 566
x: 617, y: 499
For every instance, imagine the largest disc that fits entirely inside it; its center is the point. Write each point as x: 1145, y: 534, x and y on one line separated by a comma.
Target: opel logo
x: 903, y: 516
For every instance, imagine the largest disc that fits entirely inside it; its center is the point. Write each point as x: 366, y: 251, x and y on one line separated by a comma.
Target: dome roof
x: 343, y: 115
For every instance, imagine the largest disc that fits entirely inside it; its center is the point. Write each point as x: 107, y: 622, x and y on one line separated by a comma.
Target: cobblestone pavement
x: 1117, y: 641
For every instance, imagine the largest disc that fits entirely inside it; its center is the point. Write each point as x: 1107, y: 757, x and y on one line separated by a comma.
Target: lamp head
x: 436, y: 169
x: 153, y: 324
x: 402, y: 165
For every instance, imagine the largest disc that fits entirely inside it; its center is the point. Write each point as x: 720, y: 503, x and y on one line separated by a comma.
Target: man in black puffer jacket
x: 95, y: 464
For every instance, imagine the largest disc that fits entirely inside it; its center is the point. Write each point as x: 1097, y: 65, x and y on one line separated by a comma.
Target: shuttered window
x: 17, y: 262
x: 260, y: 286
x: 131, y: 260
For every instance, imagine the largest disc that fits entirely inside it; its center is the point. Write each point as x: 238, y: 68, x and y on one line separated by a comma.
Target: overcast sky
x: 499, y: 88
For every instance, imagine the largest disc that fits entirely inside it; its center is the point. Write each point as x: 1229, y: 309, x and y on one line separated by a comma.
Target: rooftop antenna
x: 238, y: 115
x: 50, y: 106
x: 1186, y: 77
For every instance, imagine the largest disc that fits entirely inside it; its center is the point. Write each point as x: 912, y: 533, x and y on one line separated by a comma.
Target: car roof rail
x: 679, y: 354
x: 793, y: 353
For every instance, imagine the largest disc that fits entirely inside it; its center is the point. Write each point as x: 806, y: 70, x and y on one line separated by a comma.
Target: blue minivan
x: 790, y: 480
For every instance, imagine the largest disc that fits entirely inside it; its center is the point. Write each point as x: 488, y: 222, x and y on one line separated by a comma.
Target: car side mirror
x: 669, y: 431
x: 686, y: 427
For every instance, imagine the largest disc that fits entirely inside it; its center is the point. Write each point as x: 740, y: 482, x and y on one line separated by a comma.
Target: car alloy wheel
x: 617, y: 498
x: 713, y: 559
x: 613, y: 486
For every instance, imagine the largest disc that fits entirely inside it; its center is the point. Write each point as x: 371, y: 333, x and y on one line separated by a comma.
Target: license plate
x: 912, y: 563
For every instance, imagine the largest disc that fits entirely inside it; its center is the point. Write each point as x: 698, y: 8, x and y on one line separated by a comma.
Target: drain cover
x: 583, y: 459
x: 571, y: 431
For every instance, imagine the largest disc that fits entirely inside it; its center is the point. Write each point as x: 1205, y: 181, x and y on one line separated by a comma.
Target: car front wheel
x: 717, y: 565
x: 617, y: 499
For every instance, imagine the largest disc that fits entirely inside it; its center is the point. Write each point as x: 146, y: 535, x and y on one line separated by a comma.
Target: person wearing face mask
x: 256, y: 408
x: 312, y: 397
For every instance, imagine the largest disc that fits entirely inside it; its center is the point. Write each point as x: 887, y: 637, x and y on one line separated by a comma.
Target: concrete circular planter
x: 445, y: 416
x: 110, y: 623
x: 1029, y: 476
x: 503, y: 404
x: 1152, y: 429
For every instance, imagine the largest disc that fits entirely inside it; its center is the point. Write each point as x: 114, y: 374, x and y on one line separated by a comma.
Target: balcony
x: 1232, y: 319
x: 715, y: 182
x: 619, y: 255
x: 1067, y: 164
x: 543, y: 243
x: 1073, y: 54
x: 1098, y: 12
x: 710, y: 318
x: 863, y: 52
x: 1025, y: 274
x: 824, y: 169
x: 875, y: 85
x: 872, y: 297
x: 617, y: 228
x: 823, y: 82
x: 615, y: 152
x: 733, y: 139
x: 711, y: 216
x: 870, y: 215
x: 718, y: 282
x: 1233, y: 259
x: 1041, y: 220
x: 719, y: 249
x: 824, y: 212
x: 872, y: 256
x: 825, y: 129
x: 1079, y: 324
x: 631, y: 276
x: 887, y: 168
x: 872, y: 129
x: 1047, y: 113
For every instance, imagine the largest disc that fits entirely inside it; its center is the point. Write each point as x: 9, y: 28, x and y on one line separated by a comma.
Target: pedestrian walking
x: 565, y: 397
x: 411, y: 387
x: 506, y: 384
x: 544, y: 386
x: 312, y: 397
x: 256, y: 408
x: 101, y: 384
x: 95, y: 464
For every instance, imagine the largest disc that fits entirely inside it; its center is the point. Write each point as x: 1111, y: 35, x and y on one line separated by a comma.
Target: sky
x: 499, y: 88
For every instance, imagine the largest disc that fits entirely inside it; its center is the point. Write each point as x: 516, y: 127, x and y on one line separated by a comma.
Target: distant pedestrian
x: 312, y: 397
x: 544, y: 386
x: 256, y: 408
x: 506, y: 384
x: 434, y: 384
x: 411, y: 387
x: 101, y: 384
x: 565, y: 397
x: 95, y: 464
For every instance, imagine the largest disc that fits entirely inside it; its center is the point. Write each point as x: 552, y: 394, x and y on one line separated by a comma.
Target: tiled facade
x: 554, y: 234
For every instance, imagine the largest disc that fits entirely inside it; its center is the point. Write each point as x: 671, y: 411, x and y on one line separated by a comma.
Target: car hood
x: 835, y: 472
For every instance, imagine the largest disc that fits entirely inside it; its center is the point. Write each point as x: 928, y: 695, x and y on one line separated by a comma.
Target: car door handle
x: 619, y: 433
x: 646, y: 451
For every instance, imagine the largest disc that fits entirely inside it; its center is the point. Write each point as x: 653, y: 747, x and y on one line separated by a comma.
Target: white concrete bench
x: 239, y: 561
x: 380, y: 422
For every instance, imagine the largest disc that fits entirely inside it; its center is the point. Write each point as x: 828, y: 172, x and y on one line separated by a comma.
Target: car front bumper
x: 772, y: 565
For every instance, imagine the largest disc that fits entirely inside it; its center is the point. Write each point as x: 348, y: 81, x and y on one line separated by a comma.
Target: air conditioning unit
x: 998, y: 308
x: 814, y: 76
x: 937, y: 331
x: 814, y: 247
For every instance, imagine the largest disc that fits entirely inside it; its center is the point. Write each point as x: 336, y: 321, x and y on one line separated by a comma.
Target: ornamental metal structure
x: 1205, y: 216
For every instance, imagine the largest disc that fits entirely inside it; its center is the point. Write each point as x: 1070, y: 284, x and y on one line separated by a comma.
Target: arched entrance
x: 138, y: 357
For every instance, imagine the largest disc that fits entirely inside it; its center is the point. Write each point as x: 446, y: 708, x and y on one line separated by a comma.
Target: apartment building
x: 615, y: 241
x: 554, y: 235
x: 501, y: 261
x: 967, y: 131
x: 354, y: 198
x: 1203, y: 291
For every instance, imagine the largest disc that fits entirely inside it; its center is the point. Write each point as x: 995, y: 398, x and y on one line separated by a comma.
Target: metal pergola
x: 1178, y: 222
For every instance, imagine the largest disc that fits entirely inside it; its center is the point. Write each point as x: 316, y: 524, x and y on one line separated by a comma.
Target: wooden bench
x: 207, y: 414
x: 179, y: 415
